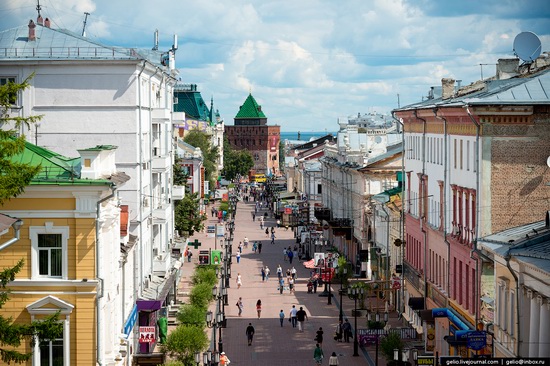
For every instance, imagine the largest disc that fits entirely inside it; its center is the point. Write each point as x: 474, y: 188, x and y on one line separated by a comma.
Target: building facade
x: 251, y: 132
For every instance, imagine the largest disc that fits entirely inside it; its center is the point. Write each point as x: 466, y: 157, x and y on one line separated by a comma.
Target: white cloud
x: 308, y: 62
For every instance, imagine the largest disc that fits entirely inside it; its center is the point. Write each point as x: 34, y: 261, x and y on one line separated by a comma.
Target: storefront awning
x: 156, y: 292
x: 416, y: 303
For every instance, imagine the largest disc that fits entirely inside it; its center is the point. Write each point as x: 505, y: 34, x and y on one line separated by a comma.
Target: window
x: 51, y: 353
x: 49, y: 251
x: 12, y: 96
x: 49, y: 255
x: 57, y: 350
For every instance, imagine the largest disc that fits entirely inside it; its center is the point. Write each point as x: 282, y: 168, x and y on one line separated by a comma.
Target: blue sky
x: 308, y: 62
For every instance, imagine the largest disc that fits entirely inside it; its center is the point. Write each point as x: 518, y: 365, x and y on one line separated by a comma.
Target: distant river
x: 304, y: 136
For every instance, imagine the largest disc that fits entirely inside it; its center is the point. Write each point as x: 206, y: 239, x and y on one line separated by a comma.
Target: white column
x: 67, y: 340
x: 534, y: 326
x: 544, y: 335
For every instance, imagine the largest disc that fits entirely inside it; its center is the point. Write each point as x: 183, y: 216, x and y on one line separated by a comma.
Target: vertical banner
x: 429, y: 345
x: 216, y: 256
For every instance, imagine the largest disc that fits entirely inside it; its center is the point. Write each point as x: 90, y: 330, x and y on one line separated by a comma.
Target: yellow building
x: 70, y: 218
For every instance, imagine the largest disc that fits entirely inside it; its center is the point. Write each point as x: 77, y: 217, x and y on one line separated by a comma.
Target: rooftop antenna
x: 84, y: 27
x: 38, y: 7
x: 527, y: 46
x: 156, y: 40
x: 481, y: 66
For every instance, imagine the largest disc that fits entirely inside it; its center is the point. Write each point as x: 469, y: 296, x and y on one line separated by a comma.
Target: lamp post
x: 355, y: 293
x: 344, y: 276
x: 207, y: 357
x: 197, y: 357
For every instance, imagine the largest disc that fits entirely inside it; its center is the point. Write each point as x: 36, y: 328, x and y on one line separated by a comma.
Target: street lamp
x: 197, y: 356
x: 207, y: 357
x: 355, y: 293
x: 343, y: 277
x: 216, y: 323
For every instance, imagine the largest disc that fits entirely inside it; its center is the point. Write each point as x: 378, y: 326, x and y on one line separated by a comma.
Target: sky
x: 308, y: 62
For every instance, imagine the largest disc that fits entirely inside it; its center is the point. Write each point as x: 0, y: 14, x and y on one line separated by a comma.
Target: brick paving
x: 273, y: 344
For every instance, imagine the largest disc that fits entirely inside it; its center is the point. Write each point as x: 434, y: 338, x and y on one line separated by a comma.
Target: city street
x: 273, y: 344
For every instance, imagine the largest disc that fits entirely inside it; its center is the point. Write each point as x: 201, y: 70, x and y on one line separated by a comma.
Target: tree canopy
x: 187, y: 214
x: 236, y: 162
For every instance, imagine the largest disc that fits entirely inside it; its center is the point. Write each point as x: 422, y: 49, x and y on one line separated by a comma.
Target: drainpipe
x: 421, y: 201
x: 507, y: 257
x: 445, y: 199
x: 475, y: 248
x: 99, y: 274
x: 16, y: 235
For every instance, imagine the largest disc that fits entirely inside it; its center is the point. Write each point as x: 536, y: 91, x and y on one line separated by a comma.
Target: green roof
x: 250, y: 109
x: 190, y: 101
x: 55, y: 168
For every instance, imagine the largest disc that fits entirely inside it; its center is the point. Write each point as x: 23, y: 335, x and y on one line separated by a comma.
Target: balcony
x: 161, y: 214
x: 161, y: 163
x: 322, y: 213
x: 161, y: 114
x: 178, y: 192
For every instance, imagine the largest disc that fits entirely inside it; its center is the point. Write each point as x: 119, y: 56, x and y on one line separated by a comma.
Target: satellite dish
x: 527, y: 46
x: 548, y: 161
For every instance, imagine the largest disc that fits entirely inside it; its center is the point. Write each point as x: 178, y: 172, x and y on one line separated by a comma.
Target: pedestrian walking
x: 259, y: 308
x: 266, y: 232
x: 240, y: 305
x: 224, y: 361
x: 318, y: 354
x: 238, y: 256
x: 293, y: 273
x: 281, y: 285
x: 346, y: 328
x: 259, y: 247
x: 240, y: 247
x: 279, y: 272
x: 239, y: 280
x: 292, y: 315
x: 291, y: 284
x: 338, y: 332
x: 285, y: 254
x: 301, y: 317
x: 267, y: 272
x: 263, y: 274
x: 290, y: 255
x: 189, y: 255
x: 319, y: 336
x: 333, y: 360
x: 272, y: 238
x: 281, y: 317
x: 250, y: 333
x: 253, y: 216
x: 245, y: 240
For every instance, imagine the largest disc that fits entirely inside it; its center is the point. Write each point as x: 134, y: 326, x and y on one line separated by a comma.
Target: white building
x: 91, y: 94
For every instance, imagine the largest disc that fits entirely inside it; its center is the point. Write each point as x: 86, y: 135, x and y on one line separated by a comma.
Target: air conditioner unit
x: 146, y: 283
x: 145, y: 166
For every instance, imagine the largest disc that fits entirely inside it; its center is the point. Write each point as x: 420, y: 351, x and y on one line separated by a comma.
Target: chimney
x: 447, y: 88
x: 507, y: 68
x: 47, y: 22
x: 32, y: 32
x: 40, y: 20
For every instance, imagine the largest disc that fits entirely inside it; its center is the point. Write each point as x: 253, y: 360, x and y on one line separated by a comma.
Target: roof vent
x: 40, y: 20
x: 47, y: 22
x: 32, y: 31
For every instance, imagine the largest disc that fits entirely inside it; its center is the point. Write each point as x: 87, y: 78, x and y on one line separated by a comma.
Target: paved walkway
x: 274, y: 345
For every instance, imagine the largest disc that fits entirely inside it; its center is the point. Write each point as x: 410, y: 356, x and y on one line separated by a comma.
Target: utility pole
x: 84, y: 27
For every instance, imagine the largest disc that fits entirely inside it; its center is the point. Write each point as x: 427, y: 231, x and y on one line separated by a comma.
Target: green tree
x: 187, y: 216
x: 210, y: 152
x: 179, y: 175
x: 14, y: 177
x: 12, y: 334
x: 389, y: 343
x: 190, y: 314
x: 236, y: 162
x: 184, y: 341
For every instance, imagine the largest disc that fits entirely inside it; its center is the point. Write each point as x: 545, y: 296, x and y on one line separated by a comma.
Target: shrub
x: 184, y: 341
x: 200, y: 295
x: 205, y: 274
x: 190, y: 314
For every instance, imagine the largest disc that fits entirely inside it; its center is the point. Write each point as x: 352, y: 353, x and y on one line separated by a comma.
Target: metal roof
x: 526, y: 89
x: 64, y: 45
